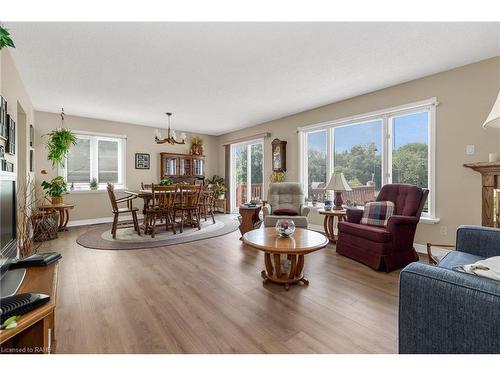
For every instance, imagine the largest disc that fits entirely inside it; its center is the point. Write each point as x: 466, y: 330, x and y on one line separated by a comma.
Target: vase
x: 285, y: 227
x: 328, y: 205
x: 57, y: 200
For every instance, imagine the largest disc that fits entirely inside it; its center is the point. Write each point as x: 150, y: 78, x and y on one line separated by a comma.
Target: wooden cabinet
x: 181, y: 165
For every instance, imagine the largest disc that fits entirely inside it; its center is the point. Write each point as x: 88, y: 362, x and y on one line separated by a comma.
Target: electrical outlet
x: 443, y: 230
x: 470, y: 150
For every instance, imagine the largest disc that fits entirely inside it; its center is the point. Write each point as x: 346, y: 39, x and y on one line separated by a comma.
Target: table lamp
x: 338, y: 184
x: 493, y: 121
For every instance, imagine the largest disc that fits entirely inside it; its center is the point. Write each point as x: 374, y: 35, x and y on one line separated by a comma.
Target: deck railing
x: 241, y: 193
x: 360, y: 194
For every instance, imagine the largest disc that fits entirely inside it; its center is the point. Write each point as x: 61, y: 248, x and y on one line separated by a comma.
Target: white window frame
x: 94, y: 159
x: 386, y: 115
x: 232, y: 183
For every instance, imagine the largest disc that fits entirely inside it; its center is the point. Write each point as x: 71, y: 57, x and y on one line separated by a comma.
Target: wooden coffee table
x: 291, y: 249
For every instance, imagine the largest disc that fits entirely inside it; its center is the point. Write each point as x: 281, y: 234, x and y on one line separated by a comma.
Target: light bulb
x: 183, y: 136
x: 173, y: 134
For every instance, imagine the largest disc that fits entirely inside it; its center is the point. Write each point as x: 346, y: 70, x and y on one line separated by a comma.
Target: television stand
x: 11, y: 282
x: 35, y: 331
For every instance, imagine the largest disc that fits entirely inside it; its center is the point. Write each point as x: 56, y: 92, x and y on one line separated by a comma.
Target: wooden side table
x: 62, y: 209
x: 329, y: 222
x: 221, y: 203
x: 249, y: 219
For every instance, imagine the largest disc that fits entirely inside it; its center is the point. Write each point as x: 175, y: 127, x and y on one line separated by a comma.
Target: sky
x: 407, y: 129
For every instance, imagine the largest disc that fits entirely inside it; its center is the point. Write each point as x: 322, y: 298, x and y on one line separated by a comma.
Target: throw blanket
x: 489, y: 267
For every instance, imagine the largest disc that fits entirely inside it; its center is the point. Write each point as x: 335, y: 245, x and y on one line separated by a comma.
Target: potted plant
x: 167, y: 181
x: 218, y: 185
x: 60, y: 140
x: 5, y: 39
x: 93, y: 184
x: 221, y: 191
x: 55, y: 189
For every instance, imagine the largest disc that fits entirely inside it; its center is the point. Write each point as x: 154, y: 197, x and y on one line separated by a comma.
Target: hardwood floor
x: 208, y: 297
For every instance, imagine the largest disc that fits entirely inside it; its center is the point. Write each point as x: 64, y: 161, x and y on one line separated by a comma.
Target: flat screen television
x: 8, y: 221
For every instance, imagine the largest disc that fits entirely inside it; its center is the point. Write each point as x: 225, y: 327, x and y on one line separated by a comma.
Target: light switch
x: 469, y: 150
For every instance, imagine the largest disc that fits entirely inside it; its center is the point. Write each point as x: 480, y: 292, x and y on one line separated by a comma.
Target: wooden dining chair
x: 207, y: 203
x: 163, y: 201
x: 188, y: 206
x: 122, y: 210
x: 145, y: 186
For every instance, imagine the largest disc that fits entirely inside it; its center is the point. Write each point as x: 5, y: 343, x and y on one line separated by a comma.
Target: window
x: 247, y: 172
x: 388, y: 146
x: 96, y: 156
x: 358, y: 154
x: 317, y: 164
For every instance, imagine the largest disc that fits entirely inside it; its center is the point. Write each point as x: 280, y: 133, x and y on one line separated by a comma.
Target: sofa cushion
x: 377, y: 213
x: 285, y: 212
x: 457, y: 258
x: 372, y: 233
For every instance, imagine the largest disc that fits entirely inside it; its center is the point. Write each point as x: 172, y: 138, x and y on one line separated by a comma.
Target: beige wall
x: 466, y: 95
x: 18, y: 102
x: 93, y: 205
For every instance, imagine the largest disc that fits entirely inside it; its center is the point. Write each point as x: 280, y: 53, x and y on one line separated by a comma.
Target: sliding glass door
x: 247, y: 172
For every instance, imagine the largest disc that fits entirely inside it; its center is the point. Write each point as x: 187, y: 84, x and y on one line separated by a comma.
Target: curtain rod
x: 249, y: 138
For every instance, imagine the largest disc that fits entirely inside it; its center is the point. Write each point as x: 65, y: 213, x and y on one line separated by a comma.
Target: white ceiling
x: 218, y: 77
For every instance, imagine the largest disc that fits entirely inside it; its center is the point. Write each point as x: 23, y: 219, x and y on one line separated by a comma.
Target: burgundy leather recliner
x: 390, y: 248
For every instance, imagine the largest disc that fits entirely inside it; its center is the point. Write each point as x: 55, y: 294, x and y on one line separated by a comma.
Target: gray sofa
x: 285, y: 195
x: 446, y: 311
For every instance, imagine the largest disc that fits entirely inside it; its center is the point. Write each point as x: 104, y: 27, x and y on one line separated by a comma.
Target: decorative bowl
x: 285, y: 227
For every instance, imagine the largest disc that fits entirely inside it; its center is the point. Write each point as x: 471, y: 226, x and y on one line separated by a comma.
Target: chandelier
x: 171, y: 136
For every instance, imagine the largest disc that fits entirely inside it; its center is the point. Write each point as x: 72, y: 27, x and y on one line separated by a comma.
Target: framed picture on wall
x: 3, y: 118
x: 279, y: 155
x: 142, y: 161
x: 32, y: 136
x: 11, y: 136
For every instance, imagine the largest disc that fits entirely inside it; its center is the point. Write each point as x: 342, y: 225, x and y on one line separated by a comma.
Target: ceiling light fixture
x: 171, y: 137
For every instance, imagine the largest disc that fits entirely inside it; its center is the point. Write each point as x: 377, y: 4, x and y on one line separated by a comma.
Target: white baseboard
x: 100, y: 220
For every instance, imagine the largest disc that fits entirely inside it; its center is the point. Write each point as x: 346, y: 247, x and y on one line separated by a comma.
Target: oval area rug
x: 127, y: 239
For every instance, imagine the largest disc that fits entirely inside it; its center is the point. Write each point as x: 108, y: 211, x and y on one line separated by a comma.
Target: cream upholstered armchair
x: 285, y: 200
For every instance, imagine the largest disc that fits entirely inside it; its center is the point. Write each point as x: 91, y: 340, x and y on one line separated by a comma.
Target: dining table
x: 147, y: 195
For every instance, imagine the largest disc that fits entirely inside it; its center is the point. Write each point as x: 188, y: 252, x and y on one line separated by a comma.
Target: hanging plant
x: 5, y: 39
x: 60, y: 140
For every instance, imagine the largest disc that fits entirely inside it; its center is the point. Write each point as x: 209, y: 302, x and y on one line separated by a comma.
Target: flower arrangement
x: 196, y: 146
x: 278, y: 177
x: 55, y: 188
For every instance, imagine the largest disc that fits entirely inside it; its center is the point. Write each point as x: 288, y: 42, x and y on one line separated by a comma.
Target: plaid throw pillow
x: 377, y: 213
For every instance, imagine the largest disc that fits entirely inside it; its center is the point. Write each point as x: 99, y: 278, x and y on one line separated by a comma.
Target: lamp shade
x: 493, y: 120
x: 338, y: 183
